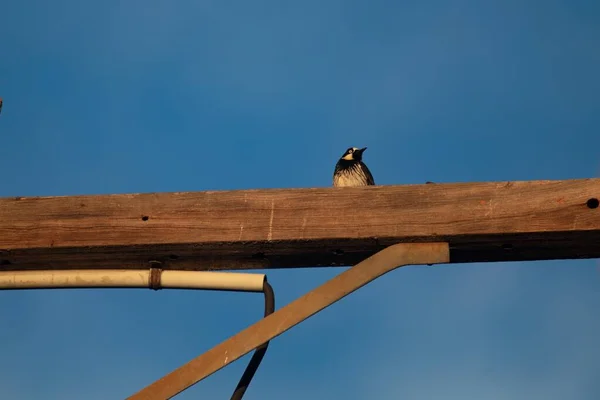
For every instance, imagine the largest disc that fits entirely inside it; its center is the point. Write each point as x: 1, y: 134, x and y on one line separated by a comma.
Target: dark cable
x: 260, y: 351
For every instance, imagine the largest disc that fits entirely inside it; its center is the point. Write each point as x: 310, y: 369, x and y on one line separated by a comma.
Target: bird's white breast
x: 347, y: 178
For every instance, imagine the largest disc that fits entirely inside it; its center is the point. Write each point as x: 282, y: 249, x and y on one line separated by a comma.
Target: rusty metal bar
x: 297, y: 311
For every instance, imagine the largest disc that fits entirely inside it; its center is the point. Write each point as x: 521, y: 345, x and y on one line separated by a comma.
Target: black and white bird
x: 351, y: 171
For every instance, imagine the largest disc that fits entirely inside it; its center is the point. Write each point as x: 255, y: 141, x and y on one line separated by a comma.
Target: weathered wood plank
x: 489, y: 221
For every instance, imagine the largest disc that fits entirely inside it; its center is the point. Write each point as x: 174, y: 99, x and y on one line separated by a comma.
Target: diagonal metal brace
x: 237, y: 346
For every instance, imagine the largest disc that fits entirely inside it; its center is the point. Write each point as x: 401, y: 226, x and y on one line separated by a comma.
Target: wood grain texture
x: 249, y: 229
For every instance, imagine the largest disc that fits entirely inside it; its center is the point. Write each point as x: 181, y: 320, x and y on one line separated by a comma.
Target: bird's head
x: 353, y: 154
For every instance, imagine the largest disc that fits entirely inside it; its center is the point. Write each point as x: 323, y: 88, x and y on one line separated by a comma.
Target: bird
x: 351, y: 171
x: 0, y: 105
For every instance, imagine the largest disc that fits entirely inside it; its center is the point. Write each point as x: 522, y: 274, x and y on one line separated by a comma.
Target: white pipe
x: 243, y: 282
x: 111, y: 278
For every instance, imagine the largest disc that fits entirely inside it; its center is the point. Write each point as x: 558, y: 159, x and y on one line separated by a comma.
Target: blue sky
x: 123, y: 97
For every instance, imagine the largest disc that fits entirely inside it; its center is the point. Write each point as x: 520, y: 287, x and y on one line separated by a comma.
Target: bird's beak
x: 362, y: 150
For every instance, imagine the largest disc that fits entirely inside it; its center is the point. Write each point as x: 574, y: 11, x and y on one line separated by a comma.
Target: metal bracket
x: 292, y: 314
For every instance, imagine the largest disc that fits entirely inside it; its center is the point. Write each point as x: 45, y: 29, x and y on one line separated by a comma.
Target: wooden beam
x: 489, y: 221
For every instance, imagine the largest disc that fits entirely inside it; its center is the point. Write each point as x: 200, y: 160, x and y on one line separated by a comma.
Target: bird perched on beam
x: 351, y: 171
